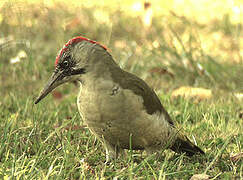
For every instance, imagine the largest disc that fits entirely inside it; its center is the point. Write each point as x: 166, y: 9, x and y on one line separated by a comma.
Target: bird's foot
x: 111, y: 153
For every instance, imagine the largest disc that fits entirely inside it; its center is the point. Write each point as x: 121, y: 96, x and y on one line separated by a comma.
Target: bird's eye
x: 65, y: 63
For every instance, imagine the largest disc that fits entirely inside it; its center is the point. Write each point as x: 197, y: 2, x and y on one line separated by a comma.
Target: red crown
x: 74, y: 41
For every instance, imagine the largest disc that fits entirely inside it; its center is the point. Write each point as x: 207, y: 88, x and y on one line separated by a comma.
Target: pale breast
x: 118, y: 115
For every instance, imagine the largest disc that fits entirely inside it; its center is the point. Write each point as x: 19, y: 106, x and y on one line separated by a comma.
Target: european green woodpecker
x: 119, y: 108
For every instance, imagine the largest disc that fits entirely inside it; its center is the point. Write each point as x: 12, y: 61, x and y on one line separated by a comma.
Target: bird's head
x: 74, y: 60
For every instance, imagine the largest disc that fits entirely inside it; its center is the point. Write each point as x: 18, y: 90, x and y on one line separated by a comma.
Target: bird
x: 118, y: 107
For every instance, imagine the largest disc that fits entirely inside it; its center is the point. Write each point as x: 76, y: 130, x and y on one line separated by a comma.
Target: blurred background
x: 167, y: 43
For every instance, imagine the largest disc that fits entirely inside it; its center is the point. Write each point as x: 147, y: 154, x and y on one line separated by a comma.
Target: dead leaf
x: 161, y: 71
x: 147, y: 5
x: 57, y: 95
x: 200, y: 177
x: 191, y: 92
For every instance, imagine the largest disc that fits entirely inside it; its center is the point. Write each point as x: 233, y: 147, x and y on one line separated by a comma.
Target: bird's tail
x: 183, y: 145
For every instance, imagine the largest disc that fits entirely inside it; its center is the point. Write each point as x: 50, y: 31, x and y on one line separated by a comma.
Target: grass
x: 48, y: 140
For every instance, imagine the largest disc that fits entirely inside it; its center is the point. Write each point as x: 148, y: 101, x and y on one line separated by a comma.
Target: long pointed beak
x: 53, y: 82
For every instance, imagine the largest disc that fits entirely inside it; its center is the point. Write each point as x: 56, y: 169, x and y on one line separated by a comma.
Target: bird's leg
x: 111, y: 152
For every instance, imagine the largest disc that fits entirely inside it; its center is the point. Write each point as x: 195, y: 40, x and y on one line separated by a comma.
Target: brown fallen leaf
x: 200, y: 177
x: 147, y: 5
x: 161, y: 71
x: 57, y: 95
x: 191, y: 92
